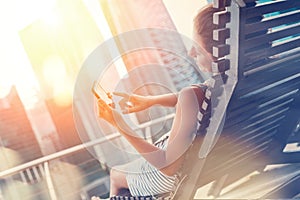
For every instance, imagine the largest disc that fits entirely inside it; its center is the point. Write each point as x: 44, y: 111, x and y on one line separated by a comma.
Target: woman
x: 163, y: 161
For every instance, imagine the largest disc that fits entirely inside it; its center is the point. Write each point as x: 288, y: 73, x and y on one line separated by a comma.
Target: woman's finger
x: 132, y: 109
x: 123, y: 103
x: 103, y: 107
x: 101, y: 101
x: 128, y: 110
x: 121, y: 94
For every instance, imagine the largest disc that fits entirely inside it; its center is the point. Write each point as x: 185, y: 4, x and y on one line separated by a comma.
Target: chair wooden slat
x: 268, y: 38
x: 267, y: 51
x: 275, y: 6
x: 265, y: 25
x: 221, y: 34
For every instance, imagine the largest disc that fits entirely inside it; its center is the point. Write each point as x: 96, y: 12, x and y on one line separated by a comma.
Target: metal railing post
x: 50, y: 185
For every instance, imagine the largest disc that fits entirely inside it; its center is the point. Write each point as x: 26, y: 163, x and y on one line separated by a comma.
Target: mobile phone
x: 97, y: 90
x: 94, y: 91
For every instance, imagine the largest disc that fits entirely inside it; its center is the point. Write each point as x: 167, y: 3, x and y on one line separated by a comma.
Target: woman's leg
x: 117, y: 181
x: 118, y: 177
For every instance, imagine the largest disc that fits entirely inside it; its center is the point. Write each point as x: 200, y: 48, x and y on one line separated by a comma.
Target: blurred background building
x: 44, y: 45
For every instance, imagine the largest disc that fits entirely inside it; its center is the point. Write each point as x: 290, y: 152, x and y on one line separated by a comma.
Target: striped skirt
x: 148, y: 180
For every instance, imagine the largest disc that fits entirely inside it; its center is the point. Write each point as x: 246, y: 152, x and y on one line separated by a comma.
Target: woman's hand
x: 112, y: 116
x: 107, y: 113
x: 133, y: 103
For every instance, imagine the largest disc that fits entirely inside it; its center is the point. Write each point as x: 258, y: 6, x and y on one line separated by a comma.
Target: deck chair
x: 254, y: 99
x: 260, y: 103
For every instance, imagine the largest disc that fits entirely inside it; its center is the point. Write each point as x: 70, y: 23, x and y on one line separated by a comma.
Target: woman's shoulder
x: 193, y: 87
x: 190, y: 91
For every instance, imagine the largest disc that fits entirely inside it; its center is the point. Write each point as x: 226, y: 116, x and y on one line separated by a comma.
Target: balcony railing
x: 38, y: 170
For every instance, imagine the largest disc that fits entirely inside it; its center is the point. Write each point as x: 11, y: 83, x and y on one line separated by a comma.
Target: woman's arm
x: 136, y: 103
x: 168, y: 100
x: 181, y: 136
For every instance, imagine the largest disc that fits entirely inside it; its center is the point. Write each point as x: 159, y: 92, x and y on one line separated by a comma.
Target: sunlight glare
x: 31, y: 10
x: 51, y: 18
x: 53, y: 69
x: 5, y: 86
x: 6, y: 81
x: 4, y: 90
x: 62, y: 91
x: 55, y: 74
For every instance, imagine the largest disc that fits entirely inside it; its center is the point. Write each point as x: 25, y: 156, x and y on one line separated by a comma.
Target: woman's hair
x: 203, y: 23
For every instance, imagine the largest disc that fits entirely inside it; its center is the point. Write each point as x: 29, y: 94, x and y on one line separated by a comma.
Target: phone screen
x: 100, y: 93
